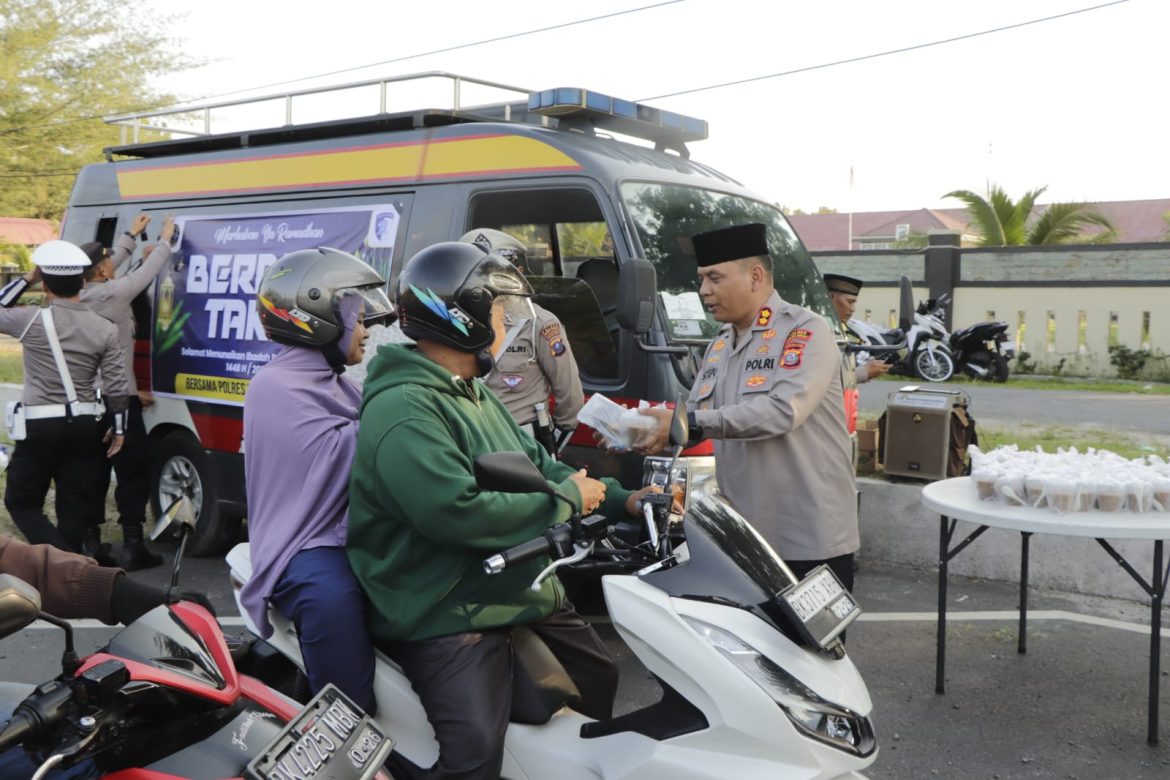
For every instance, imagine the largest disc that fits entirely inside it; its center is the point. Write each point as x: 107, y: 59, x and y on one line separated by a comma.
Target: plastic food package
x: 619, y: 426
x: 1111, y: 496
x: 1062, y: 495
x: 1034, y: 491
x: 1010, y: 488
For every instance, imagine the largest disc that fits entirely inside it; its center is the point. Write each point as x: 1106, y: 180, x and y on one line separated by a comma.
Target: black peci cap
x: 731, y: 243
x: 843, y: 284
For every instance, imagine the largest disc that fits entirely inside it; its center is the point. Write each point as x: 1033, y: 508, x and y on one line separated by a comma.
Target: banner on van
x: 207, y: 341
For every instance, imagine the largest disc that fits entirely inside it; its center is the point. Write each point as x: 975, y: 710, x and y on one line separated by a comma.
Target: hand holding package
x: 618, y: 426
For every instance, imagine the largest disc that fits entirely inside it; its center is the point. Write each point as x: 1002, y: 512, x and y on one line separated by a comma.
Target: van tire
x: 180, y: 466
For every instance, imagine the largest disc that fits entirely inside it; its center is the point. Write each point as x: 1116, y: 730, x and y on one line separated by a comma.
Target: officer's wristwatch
x: 694, y: 430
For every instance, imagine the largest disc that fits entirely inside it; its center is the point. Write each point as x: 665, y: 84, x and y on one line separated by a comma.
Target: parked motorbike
x: 927, y: 354
x: 756, y: 681
x: 981, y: 351
x: 164, y: 699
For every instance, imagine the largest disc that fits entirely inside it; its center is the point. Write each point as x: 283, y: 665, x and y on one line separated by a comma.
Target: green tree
x: 1000, y: 221
x: 64, y: 64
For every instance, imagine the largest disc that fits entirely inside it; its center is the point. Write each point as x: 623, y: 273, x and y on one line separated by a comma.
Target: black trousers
x: 132, y: 465
x: 842, y: 566
x: 70, y: 454
x: 465, y: 684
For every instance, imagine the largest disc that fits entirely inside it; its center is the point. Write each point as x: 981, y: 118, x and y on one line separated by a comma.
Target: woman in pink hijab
x: 300, y: 433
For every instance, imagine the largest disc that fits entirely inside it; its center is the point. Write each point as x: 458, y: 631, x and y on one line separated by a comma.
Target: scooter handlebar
x: 526, y: 551
x: 19, y: 726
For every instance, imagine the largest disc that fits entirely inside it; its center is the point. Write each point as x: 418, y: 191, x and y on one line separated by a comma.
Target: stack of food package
x: 1070, y: 480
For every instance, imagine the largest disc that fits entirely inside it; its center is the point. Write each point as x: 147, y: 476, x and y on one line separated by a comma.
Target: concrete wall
x: 1065, y: 305
x: 896, y: 528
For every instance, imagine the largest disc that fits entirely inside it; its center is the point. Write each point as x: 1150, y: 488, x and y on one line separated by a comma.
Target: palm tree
x: 1001, y: 222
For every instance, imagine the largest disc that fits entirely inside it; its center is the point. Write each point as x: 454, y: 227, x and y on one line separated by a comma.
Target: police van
x: 607, y: 223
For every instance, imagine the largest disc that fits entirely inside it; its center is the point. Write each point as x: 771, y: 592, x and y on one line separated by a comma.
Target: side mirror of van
x: 635, y: 298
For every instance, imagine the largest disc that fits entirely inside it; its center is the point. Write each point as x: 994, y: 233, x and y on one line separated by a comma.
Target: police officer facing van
x: 769, y: 392
x: 111, y: 295
x: 536, y: 360
x: 62, y: 440
x: 843, y: 290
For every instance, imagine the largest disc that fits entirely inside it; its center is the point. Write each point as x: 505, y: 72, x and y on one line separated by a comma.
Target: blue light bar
x: 572, y: 105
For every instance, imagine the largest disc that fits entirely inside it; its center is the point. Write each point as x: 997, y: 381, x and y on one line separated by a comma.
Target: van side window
x: 572, y: 265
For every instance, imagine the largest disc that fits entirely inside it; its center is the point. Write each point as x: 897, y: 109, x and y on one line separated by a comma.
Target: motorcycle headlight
x: 813, y: 716
x: 691, y: 479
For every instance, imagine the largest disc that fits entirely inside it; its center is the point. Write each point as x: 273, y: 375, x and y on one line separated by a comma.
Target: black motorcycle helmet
x: 445, y: 294
x: 299, y: 300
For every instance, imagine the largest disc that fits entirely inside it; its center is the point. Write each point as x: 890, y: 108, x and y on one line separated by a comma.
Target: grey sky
x: 1076, y: 103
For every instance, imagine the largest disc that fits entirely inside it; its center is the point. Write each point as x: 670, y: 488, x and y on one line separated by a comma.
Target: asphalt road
x: 1005, y: 405
x: 1073, y: 707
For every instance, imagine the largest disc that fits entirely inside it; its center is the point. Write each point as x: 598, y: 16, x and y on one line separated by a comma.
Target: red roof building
x: 26, y: 232
x: 1137, y: 222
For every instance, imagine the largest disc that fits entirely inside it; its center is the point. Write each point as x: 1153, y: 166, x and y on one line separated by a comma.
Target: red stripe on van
x: 218, y: 433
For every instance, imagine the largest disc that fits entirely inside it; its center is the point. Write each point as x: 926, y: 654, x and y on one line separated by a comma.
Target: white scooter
x: 927, y: 354
x: 755, y: 679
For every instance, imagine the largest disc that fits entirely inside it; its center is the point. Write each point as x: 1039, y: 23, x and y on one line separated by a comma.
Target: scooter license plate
x: 819, y: 606
x: 331, y: 738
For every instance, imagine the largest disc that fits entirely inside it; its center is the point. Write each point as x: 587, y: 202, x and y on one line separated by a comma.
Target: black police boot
x: 93, y: 547
x: 135, y: 554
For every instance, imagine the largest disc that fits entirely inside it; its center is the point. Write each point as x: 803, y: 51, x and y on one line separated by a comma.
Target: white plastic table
x: 956, y: 499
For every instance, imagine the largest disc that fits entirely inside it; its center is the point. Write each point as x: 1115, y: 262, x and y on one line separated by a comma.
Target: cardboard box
x: 867, y: 439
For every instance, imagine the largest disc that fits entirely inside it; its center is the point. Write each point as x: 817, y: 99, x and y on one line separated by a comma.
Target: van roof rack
x: 565, y: 108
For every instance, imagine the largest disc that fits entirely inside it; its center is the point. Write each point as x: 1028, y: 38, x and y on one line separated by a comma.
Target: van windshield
x: 663, y: 214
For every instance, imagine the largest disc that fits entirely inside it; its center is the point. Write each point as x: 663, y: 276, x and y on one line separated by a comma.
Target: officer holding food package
x: 57, y: 425
x: 535, y: 361
x: 843, y: 290
x: 769, y: 393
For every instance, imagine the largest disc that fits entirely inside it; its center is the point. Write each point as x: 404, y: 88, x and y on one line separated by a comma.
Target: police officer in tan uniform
x: 769, y: 393
x: 536, y: 360
x: 109, y: 294
x: 63, y: 437
x: 843, y: 290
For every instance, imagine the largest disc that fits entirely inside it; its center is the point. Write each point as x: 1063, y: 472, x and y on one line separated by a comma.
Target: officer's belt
x: 49, y: 411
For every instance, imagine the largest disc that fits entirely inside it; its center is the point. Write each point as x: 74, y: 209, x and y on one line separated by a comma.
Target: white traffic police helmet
x: 60, y: 258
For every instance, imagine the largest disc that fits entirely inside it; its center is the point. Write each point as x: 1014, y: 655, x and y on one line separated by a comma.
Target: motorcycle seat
x: 540, y: 685
x: 11, y: 695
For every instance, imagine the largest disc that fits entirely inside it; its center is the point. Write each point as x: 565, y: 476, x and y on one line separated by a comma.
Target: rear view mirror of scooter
x: 180, y: 514
x: 20, y: 603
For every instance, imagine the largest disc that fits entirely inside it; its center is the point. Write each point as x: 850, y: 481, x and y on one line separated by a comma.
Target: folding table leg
x: 1023, y: 646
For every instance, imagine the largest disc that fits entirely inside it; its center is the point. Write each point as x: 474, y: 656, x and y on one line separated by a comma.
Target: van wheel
x: 181, y: 467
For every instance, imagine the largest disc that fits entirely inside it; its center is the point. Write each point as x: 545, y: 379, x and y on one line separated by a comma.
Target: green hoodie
x: 420, y: 528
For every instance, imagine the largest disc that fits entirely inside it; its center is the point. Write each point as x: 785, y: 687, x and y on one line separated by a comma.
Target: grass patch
x: 1028, y: 437
x: 1019, y: 382
x: 11, y: 363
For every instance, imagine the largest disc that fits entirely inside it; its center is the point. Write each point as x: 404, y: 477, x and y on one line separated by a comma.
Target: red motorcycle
x: 164, y: 700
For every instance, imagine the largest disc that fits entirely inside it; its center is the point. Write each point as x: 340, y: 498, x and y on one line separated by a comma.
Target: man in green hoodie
x: 420, y: 527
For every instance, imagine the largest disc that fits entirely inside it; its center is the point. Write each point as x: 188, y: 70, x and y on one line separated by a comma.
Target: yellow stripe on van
x: 461, y: 157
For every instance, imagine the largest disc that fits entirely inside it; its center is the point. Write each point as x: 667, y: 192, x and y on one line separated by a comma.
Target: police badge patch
x: 552, y: 334
x: 512, y: 381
